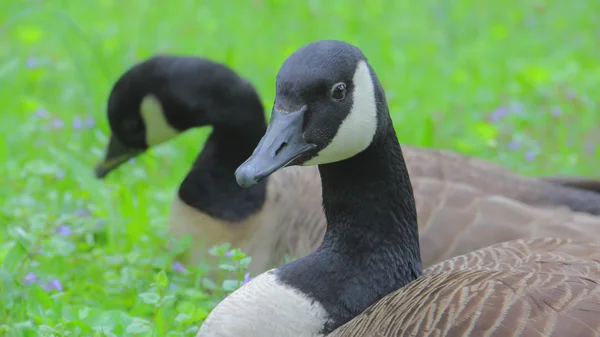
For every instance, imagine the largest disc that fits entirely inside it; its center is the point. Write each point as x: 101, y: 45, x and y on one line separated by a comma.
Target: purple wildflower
x: 228, y: 254
x: 516, y: 108
x: 53, y: 285
x: 90, y: 122
x: 57, y: 123
x: 41, y: 113
x: 571, y: 94
x: 178, y: 267
x: 530, y: 155
x: 32, y: 62
x: 64, y: 230
x: 247, y: 278
x: 60, y: 175
x: 30, y: 278
x: 82, y: 212
x: 514, y: 145
x: 590, y: 148
x: 498, y: 113
x: 77, y: 123
x: 556, y: 111
x: 131, y: 160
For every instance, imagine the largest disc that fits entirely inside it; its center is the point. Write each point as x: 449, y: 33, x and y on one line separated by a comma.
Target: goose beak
x: 281, y: 145
x: 116, y: 154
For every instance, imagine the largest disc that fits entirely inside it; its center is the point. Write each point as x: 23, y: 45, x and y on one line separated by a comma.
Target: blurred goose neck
x: 210, y: 185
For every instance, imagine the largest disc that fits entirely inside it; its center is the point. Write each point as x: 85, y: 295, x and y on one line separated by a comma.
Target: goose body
x: 539, y: 287
x: 366, y: 277
x: 575, y: 193
x: 465, y: 198
x: 290, y: 223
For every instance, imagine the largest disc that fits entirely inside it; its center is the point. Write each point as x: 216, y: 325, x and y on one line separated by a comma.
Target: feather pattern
x: 539, y: 287
x: 578, y: 194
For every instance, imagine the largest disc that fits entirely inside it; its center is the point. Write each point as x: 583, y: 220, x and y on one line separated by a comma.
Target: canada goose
x: 366, y: 278
x: 163, y: 96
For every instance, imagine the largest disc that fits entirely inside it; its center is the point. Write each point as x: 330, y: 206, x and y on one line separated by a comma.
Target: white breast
x: 265, y: 307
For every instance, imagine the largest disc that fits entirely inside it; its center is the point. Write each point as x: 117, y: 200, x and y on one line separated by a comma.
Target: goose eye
x: 338, y: 91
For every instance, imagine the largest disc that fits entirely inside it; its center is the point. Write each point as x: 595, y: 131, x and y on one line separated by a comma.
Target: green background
x: 516, y: 82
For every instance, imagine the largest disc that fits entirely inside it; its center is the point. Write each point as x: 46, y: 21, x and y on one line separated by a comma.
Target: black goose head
x: 326, y: 110
x: 159, y: 98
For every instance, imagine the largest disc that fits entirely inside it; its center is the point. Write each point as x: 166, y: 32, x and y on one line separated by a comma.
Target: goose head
x: 326, y: 110
x: 163, y: 96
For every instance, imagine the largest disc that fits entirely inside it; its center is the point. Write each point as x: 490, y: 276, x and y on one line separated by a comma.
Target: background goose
x: 460, y: 197
x: 165, y: 95
x: 330, y: 110
x: 577, y: 193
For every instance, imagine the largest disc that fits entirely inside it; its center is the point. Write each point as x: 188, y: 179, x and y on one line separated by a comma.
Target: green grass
x: 447, y: 66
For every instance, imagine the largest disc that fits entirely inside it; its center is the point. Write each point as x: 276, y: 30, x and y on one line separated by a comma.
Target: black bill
x: 281, y: 145
x: 116, y: 154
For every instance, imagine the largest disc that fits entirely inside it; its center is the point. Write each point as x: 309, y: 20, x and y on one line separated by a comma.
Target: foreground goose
x: 461, y: 202
x: 366, y: 278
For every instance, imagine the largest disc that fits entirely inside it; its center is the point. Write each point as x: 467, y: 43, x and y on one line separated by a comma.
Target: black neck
x: 370, y: 209
x: 210, y: 185
x: 377, y: 180
x: 371, y: 246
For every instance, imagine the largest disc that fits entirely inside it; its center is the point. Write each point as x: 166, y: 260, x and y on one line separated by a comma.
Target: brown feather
x: 541, y: 287
x: 454, y: 219
x: 581, y: 183
x: 496, y: 179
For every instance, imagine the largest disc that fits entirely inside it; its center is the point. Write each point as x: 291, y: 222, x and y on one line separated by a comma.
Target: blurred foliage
x: 510, y: 81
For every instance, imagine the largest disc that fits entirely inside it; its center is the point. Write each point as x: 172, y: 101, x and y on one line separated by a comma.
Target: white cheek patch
x: 265, y: 307
x: 158, y: 129
x: 357, y: 130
